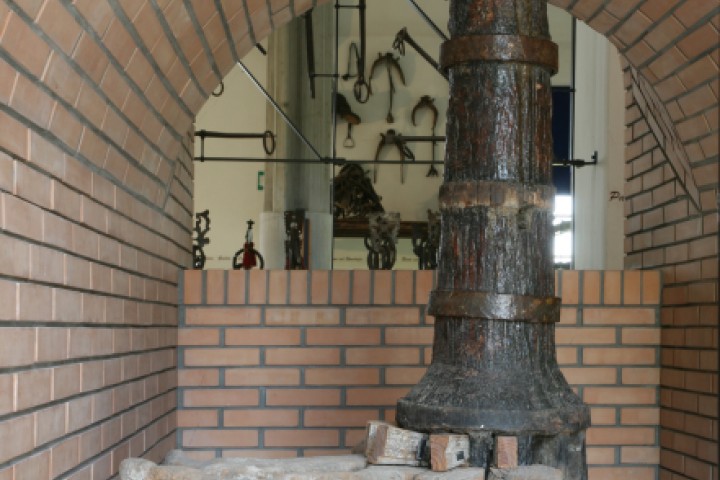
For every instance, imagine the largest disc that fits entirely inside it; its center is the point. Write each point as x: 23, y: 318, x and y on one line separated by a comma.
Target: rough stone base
x: 346, y: 467
x: 533, y: 472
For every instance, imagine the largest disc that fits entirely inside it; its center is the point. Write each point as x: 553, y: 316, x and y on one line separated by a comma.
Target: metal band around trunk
x: 495, y: 194
x: 494, y: 306
x: 500, y: 48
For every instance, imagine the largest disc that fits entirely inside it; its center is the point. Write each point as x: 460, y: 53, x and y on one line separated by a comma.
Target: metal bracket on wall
x: 576, y: 162
x: 268, y: 139
x: 399, y: 44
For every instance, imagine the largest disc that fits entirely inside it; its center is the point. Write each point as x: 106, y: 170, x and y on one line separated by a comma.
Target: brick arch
x: 671, y: 54
x: 153, y: 64
x: 96, y: 101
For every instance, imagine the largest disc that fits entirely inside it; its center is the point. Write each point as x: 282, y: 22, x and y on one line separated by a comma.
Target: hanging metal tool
x: 310, y: 50
x: 361, y: 89
x: 392, y: 138
x: 399, y: 45
x: 426, y: 102
x: 343, y: 110
x: 349, y: 142
x: 391, y: 63
x: 352, y: 52
x: 219, y: 90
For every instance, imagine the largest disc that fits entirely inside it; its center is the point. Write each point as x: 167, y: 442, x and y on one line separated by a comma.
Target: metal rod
x: 426, y: 56
x: 337, y: 161
x: 212, y: 134
x: 279, y: 110
x: 310, y: 46
x: 363, y: 41
x: 404, y: 36
x: 334, y: 84
x: 428, y: 20
x: 421, y: 138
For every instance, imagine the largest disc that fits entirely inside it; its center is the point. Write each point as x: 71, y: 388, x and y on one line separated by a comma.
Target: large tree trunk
x: 494, y: 369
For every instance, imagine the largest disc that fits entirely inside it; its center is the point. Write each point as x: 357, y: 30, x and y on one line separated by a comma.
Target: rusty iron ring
x: 494, y: 306
x: 495, y: 194
x: 268, y: 139
x: 500, y: 48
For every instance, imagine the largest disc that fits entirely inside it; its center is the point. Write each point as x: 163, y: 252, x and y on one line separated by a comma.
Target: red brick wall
x: 667, y: 231
x: 95, y: 202
x: 294, y: 363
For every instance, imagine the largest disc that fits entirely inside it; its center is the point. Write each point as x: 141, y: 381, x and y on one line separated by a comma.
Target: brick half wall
x: 284, y: 364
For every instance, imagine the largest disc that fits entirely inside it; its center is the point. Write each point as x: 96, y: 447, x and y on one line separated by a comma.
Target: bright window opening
x: 562, y: 224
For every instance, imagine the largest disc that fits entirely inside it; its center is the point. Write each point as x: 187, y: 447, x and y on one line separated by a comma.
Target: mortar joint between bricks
x: 301, y: 416
x: 288, y: 286
x: 393, y: 280
x: 203, y: 288
x: 308, y: 287
x: 226, y: 278
x: 413, y: 288
x: 262, y: 397
x: 351, y: 285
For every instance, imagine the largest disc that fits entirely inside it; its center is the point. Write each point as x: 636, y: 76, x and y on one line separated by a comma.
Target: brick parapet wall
x: 294, y: 363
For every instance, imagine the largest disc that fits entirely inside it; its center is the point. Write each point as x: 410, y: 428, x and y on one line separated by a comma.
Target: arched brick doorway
x: 96, y: 101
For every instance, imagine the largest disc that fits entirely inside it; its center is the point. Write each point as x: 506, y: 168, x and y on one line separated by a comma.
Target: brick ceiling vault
x: 154, y: 63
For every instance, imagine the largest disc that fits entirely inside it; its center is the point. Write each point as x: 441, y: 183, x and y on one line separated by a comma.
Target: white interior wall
x: 418, y: 193
x: 229, y: 190
x: 598, y: 229
x: 614, y: 225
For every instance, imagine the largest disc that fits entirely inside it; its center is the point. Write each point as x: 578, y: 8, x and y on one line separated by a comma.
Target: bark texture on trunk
x: 494, y: 370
